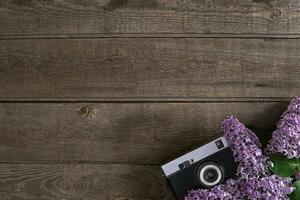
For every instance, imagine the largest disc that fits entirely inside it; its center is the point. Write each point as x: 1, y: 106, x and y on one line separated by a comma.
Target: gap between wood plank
x: 51, y: 162
x: 143, y: 99
x: 150, y: 35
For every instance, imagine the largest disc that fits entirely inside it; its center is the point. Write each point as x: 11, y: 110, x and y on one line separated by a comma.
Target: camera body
x: 204, y: 167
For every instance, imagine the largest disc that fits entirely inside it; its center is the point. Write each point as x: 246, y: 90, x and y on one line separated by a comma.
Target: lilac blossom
x: 286, y: 138
x: 227, y: 191
x: 252, y: 188
x: 294, y: 106
x: 267, y: 188
x: 246, y: 148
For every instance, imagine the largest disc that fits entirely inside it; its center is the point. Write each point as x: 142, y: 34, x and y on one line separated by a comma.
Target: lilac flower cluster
x: 253, y: 188
x: 228, y: 191
x: 286, y: 138
x: 255, y: 183
x: 246, y: 148
x: 267, y: 188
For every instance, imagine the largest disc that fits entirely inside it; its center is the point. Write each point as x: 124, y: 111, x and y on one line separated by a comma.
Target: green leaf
x: 296, y: 193
x: 283, y: 166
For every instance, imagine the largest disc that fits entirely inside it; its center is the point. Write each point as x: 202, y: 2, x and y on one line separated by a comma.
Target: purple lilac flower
x: 267, y: 188
x: 253, y: 188
x: 286, y: 138
x: 227, y: 191
x: 246, y: 148
x: 294, y: 106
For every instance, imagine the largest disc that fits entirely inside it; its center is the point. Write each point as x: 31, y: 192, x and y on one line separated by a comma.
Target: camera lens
x: 210, y: 174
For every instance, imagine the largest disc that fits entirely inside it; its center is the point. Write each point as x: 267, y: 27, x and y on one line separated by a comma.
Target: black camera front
x: 204, y: 167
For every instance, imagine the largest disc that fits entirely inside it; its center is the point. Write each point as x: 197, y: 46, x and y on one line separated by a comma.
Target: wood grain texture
x: 99, y: 17
x: 123, y: 64
x: 82, y: 182
x: 136, y: 133
x: 149, y: 68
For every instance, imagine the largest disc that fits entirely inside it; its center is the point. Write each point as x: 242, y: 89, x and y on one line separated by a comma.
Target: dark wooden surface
x: 74, y: 181
x: 96, y: 94
x: 49, y: 18
x: 146, y: 68
x: 137, y: 133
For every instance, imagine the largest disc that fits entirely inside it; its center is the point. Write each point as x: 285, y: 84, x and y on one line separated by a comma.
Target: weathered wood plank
x: 82, y: 182
x: 95, y: 17
x: 143, y: 133
x: 149, y: 68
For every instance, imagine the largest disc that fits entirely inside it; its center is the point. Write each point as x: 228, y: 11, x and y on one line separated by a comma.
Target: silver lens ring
x: 213, y: 167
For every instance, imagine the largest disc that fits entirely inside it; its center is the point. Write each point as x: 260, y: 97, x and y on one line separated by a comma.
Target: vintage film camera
x: 204, y: 167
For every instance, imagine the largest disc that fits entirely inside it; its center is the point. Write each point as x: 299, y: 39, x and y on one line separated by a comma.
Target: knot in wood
x: 86, y: 110
x: 276, y: 13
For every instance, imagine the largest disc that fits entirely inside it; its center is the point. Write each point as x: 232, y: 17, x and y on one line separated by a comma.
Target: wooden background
x: 96, y: 94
